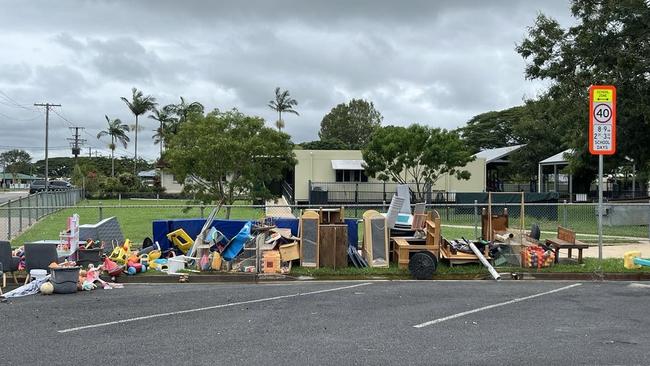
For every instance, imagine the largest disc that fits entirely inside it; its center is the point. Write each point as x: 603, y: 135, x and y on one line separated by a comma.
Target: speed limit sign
x: 602, y: 119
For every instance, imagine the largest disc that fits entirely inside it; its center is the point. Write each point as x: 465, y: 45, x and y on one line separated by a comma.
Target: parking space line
x: 513, y: 301
x: 152, y: 316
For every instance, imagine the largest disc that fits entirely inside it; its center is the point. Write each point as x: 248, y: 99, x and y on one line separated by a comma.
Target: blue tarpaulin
x: 230, y: 228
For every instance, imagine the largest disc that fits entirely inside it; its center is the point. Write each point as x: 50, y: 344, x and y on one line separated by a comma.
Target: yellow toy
x: 121, y: 254
x: 181, y: 240
x: 633, y: 260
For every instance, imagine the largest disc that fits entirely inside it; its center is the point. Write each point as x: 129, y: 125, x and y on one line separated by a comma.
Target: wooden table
x: 558, y: 244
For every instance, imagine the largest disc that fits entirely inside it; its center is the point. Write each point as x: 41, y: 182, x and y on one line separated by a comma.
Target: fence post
x: 101, y: 211
x: 9, y: 220
x: 20, y: 215
x: 648, y: 220
x: 356, y: 199
x: 29, y: 210
x: 384, y: 188
x: 202, y: 211
x: 476, y: 218
x: 564, y: 208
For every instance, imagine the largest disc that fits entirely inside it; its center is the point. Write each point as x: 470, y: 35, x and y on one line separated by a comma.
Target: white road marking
x: 638, y: 285
x: 513, y: 301
x: 152, y: 316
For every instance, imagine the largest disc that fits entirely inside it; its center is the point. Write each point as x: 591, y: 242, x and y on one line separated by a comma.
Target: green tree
x: 282, y: 103
x: 332, y: 144
x: 138, y: 105
x: 352, y: 123
x: 493, y: 129
x: 415, y: 154
x: 118, y: 133
x: 164, y: 119
x: 228, y: 155
x: 15, y: 161
x: 608, y: 44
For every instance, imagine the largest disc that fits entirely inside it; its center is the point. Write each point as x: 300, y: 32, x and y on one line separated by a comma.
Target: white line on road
x: 513, y: 301
x: 209, y: 308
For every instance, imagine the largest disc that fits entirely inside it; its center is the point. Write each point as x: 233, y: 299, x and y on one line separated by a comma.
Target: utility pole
x: 90, y: 152
x: 76, y: 142
x: 47, y: 127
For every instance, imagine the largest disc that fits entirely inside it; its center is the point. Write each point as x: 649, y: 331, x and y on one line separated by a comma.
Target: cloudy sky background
x: 432, y: 62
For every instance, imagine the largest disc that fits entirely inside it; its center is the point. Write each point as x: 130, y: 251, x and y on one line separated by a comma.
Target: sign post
x: 602, y: 140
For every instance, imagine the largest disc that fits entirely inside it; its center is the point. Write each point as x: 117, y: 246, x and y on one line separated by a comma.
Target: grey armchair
x: 8, y: 262
x: 39, y: 256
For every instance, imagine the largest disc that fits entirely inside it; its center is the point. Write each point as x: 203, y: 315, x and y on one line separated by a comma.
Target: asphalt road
x: 342, y: 323
x: 12, y: 195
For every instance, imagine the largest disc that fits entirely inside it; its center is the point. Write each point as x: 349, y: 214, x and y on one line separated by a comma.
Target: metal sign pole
x: 600, y: 211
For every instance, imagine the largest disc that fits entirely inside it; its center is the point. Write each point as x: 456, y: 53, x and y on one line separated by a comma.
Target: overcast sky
x: 432, y: 62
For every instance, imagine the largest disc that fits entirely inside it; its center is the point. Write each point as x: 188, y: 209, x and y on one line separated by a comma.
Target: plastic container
x: 37, y: 274
x: 65, y: 279
x: 89, y: 256
x: 175, y: 264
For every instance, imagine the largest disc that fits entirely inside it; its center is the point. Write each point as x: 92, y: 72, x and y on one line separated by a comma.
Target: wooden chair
x: 566, y: 239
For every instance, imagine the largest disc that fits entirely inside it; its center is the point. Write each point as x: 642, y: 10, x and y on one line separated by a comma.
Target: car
x: 55, y: 185
x: 37, y: 186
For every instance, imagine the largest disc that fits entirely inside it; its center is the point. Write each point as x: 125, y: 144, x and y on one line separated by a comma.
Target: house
x: 22, y: 180
x: 337, y: 176
x: 148, y: 177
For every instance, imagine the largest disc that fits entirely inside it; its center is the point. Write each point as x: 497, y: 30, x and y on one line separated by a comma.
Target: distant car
x: 55, y: 185
x: 37, y: 186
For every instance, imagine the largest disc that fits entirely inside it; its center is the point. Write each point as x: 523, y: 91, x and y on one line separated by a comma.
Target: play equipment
x: 535, y: 256
x: 633, y: 260
x: 181, y: 240
x: 121, y: 253
x: 112, y: 268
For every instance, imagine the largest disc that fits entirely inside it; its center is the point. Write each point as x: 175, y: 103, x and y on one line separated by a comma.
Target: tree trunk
x: 112, y: 156
x: 160, y: 133
x: 135, y: 161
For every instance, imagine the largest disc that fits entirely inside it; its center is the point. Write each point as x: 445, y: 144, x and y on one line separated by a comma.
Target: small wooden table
x: 558, y: 244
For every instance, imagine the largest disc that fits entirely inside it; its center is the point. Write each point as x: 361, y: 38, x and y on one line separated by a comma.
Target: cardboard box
x: 289, y: 252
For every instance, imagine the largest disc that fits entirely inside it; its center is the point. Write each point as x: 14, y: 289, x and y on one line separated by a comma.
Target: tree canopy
x: 15, y: 161
x: 229, y: 155
x: 607, y: 45
x: 331, y: 144
x: 351, y: 123
x: 417, y: 154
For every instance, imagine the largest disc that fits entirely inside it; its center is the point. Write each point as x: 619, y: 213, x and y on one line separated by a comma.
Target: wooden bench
x: 566, y: 239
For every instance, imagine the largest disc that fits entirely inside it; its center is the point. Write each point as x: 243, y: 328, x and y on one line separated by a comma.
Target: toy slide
x: 633, y: 260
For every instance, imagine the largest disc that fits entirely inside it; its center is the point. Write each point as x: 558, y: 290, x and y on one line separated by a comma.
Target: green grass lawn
x: 590, y: 265
x: 135, y: 217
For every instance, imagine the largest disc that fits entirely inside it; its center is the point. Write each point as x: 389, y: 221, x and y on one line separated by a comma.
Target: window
x: 351, y: 176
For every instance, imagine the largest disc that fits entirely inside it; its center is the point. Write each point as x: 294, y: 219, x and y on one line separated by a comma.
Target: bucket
x: 89, y: 256
x: 65, y: 279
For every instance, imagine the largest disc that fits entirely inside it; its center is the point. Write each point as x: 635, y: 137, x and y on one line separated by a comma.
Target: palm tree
x: 184, y: 109
x: 117, y: 131
x: 139, y: 105
x: 279, y: 124
x: 283, y: 103
x: 163, y: 117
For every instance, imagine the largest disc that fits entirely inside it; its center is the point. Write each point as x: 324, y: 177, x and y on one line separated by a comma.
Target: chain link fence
x: 623, y: 222
x: 18, y: 215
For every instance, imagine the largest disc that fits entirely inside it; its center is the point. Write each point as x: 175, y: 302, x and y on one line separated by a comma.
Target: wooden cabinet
x: 333, y: 251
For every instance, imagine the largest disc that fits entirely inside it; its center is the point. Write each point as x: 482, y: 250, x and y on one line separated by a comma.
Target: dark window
x: 351, y: 176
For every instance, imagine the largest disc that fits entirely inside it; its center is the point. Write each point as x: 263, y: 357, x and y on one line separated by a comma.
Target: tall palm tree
x: 163, y: 117
x: 283, y: 103
x: 139, y: 105
x: 117, y: 131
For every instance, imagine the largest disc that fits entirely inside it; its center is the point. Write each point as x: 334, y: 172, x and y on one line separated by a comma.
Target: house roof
x: 147, y: 173
x: 347, y: 164
x: 558, y: 158
x: 497, y: 155
x: 18, y: 176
